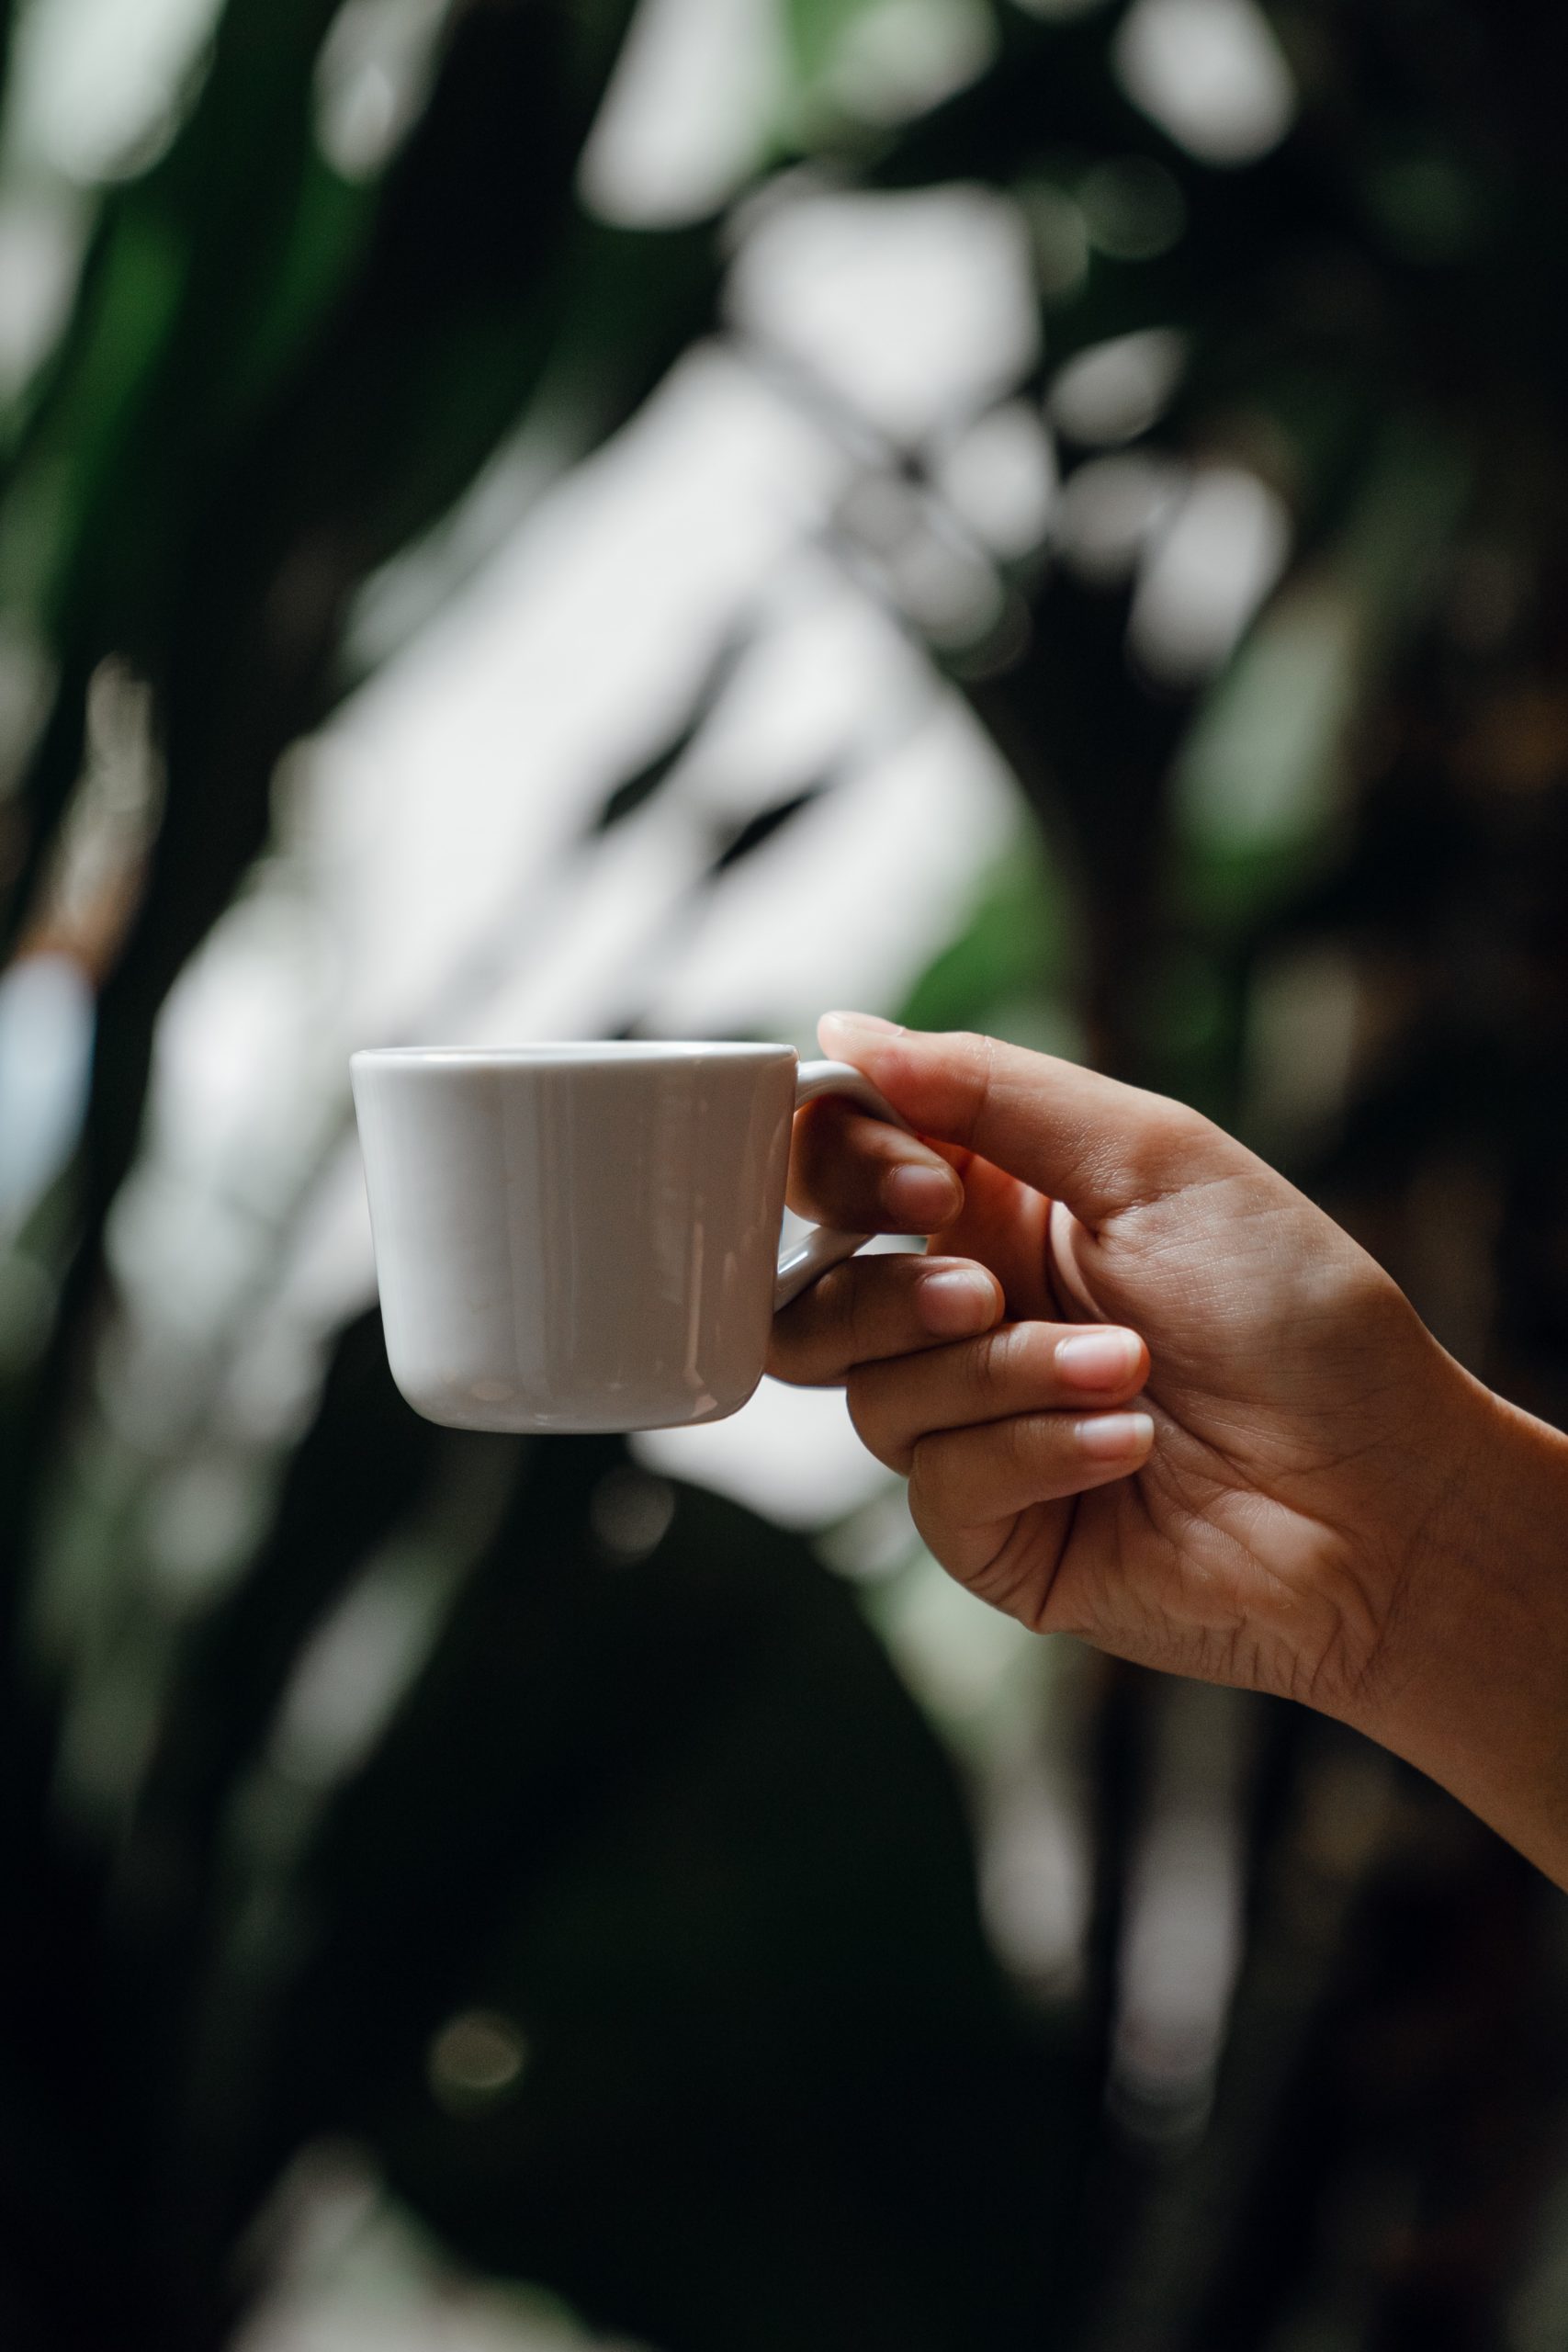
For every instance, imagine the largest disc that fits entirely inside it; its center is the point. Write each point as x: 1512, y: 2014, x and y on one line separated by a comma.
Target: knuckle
x: 833, y: 1296
x: 1189, y: 1136
x: 1004, y: 1369
x: 786, y: 1342
x: 812, y: 1337
x: 975, y: 1056
x: 1175, y: 1134
x: 992, y: 1364
x: 1025, y: 1443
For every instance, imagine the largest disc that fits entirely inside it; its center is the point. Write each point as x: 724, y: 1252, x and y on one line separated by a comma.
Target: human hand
x: 1144, y: 1390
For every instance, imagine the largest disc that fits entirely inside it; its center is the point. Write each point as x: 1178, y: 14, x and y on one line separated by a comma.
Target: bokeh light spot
x: 1133, y: 207
x: 476, y: 2061
x: 1209, y: 72
x: 631, y: 1512
x: 1115, y: 390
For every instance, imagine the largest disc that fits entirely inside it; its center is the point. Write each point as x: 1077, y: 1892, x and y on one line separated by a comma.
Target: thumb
x: 1099, y: 1146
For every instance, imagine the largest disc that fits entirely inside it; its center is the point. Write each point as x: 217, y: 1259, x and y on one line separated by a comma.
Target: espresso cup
x: 586, y: 1237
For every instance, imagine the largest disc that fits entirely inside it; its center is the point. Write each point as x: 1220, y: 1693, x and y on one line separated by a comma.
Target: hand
x: 1144, y: 1391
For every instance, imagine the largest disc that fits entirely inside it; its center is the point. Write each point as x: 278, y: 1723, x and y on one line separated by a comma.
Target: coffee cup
x: 586, y: 1237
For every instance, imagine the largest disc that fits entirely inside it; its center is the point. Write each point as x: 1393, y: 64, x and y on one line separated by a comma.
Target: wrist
x: 1470, y: 1676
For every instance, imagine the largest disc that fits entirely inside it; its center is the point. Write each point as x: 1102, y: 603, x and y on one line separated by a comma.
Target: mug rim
x: 565, y: 1052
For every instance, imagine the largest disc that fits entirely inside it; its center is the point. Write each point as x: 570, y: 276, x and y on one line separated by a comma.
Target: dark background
x: 675, y: 1936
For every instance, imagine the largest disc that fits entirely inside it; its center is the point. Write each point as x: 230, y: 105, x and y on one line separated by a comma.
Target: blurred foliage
x: 651, y: 1826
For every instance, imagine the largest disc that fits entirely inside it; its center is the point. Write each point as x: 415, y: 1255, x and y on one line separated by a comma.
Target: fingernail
x: 924, y: 1199
x: 1098, y: 1359
x: 1114, y: 1436
x: 956, y: 1301
x: 873, y: 1021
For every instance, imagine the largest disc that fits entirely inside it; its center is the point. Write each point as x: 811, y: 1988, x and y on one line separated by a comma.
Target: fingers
x: 871, y: 1307
x: 970, y: 1488
x: 1019, y: 1369
x: 850, y: 1171
x: 1005, y: 1225
x: 964, y: 1479
x: 858, y: 1173
x: 1102, y: 1147
x: 992, y: 1423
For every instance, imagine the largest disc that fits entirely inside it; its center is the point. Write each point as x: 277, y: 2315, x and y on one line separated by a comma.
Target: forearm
x: 1471, y: 1682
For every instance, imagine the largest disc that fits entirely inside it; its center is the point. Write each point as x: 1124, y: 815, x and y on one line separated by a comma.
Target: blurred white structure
x: 96, y: 86
x: 352, y: 2273
x: 46, y: 1035
x: 688, y: 112
x: 1181, y: 1943
x: 1115, y: 390
x: 1209, y: 72
x: 1208, y: 571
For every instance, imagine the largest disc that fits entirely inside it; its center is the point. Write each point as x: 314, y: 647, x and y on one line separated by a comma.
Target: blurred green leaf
x: 1016, y: 945
x: 1263, y: 784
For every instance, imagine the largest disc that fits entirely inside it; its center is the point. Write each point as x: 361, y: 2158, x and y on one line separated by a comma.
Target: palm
x: 1287, y: 1371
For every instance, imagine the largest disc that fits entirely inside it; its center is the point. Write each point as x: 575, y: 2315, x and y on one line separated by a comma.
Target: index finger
x: 1090, y: 1141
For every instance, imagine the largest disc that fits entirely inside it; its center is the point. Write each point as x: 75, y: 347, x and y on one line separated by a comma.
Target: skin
x: 1144, y: 1392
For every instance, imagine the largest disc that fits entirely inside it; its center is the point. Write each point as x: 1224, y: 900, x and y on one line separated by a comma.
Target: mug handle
x: 823, y: 1246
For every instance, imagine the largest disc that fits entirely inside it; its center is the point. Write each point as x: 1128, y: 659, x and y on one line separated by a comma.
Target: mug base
x: 454, y: 1409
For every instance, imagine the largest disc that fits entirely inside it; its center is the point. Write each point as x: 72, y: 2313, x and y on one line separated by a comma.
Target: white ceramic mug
x: 586, y: 1237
